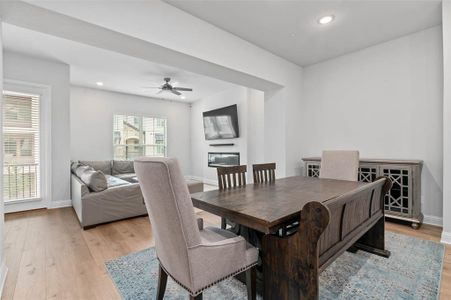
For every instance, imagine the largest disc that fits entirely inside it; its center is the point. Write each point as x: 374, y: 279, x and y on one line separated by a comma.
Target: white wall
x: 92, y: 111
x: 56, y: 75
x: 250, y: 105
x: 385, y: 101
x: 200, y: 147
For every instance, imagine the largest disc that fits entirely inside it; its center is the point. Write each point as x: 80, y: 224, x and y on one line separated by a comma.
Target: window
x: 135, y: 136
x: 21, y: 134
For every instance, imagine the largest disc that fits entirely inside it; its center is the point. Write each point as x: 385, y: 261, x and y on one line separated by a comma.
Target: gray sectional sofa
x: 106, y: 191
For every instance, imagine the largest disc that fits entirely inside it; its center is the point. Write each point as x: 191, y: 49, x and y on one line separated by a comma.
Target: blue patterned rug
x: 413, y: 271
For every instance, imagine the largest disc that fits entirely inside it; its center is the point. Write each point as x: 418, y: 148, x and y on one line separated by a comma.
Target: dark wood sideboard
x: 404, y: 199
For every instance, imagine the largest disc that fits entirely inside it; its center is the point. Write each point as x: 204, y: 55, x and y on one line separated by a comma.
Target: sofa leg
x: 89, y: 227
x: 162, y: 280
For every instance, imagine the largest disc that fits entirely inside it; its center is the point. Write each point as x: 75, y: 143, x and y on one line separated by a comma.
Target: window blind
x: 135, y: 136
x: 21, y: 154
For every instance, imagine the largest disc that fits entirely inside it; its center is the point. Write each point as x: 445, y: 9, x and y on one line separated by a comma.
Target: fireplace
x: 217, y: 159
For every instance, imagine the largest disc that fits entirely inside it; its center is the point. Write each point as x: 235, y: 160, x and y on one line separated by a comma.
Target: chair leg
x: 162, y: 280
x: 251, y: 283
x: 223, y: 223
x: 198, y: 297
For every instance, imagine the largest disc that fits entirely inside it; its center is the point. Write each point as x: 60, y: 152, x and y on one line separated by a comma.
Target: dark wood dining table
x: 266, y: 208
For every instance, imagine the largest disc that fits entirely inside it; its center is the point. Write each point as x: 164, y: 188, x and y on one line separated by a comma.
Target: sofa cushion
x: 122, y: 167
x: 74, y: 165
x: 95, y: 180
x: 115, y: 181
x: 195, y: 186
x: 130, y: 177
x: 81, y: 169
x: 98, y: 165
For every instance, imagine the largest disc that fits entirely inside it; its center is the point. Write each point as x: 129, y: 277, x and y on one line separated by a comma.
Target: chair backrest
x: 264, y: 172
x: 171, y: 213
x: 340, y: 164
x: 230, y: 177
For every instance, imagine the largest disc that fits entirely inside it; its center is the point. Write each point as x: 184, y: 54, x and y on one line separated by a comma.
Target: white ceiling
x: 290, y: 29
x: 118, y: 72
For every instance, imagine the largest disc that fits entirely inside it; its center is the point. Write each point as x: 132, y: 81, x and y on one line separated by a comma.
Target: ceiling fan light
x: 326, y: 19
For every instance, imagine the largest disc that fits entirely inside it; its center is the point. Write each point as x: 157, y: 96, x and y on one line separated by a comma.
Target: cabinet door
x: 367, y: 172
x: 399, y: 199
x: 312, y: 169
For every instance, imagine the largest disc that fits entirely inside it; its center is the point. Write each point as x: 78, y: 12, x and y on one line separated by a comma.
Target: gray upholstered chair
x: 340, y: 164
x: 195, y: 257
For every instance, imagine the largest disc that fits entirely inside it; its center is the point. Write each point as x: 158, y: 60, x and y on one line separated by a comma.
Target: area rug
x: 413, y: 271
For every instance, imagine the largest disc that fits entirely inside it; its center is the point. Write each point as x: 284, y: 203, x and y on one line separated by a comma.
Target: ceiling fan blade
x: 182, y: 89
x: 176, y: 92
x: 151, y: 87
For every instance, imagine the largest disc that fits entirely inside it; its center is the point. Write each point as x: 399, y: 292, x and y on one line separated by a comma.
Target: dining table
x: 268, y: 209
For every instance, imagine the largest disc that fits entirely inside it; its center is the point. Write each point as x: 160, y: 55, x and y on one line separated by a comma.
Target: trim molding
x: 446, y: 238
x: 60, y: 204
x: 3, y: 274
x: 433, y: 220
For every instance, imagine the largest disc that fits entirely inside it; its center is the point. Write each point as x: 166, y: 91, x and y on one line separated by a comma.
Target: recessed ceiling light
x: 326, y: 19
x: 99, y: 83
x: 183, y: 97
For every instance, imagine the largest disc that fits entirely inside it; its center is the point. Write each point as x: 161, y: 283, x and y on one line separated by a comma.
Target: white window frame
x: 140, y: 115
x: 44, y: 92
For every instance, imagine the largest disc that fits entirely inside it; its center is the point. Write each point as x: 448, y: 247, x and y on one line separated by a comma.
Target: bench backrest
x: 350, y: 215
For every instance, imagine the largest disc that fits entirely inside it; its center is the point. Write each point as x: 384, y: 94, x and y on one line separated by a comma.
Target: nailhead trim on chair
x: 210, y: 285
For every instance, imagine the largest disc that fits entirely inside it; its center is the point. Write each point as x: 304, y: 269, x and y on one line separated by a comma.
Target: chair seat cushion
x: 214, y: 234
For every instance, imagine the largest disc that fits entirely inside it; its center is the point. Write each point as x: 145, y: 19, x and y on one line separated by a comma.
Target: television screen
x: 221, y: 123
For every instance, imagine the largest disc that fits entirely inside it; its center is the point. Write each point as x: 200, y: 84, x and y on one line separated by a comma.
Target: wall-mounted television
x: 221, y: 123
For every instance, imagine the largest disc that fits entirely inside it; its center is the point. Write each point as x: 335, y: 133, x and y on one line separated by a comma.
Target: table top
x: 266, y: 207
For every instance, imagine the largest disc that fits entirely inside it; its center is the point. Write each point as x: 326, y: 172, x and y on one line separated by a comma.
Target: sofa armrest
x: 78, y: 186
x: 77, y: 191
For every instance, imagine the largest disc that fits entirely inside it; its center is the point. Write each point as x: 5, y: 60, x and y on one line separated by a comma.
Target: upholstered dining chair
x: 340, y: 164
x: 231, y: 177
x: 195, y: 257
x: 264, y: 172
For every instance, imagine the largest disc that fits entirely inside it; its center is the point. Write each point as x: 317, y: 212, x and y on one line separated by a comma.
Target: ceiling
x: 119, y: 73
x: 290, y: 29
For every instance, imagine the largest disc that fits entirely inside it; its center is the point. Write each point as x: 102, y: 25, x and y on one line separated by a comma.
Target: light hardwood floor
x: 50, y: 257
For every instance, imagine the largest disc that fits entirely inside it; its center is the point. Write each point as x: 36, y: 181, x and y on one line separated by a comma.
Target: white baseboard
x: 60, y: 204
x: 433, y: 220
x: 446, y: 237
x: 3, y: 274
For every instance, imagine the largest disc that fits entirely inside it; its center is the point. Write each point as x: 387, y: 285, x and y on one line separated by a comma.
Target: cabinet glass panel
x: 313, y: 170
x: 367, y: 173
x: 397, y: 199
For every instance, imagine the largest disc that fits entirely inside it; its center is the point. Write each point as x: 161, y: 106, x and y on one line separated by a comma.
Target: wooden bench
x: 353, y: 220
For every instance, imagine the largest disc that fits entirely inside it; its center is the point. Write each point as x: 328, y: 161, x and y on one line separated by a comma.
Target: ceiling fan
x: 167, y: 87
